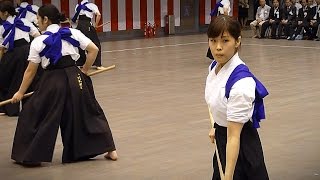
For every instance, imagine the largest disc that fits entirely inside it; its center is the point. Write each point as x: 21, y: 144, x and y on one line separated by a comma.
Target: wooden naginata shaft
x: 216, y: 149
x: 8, y: 101
x: 103, y: 24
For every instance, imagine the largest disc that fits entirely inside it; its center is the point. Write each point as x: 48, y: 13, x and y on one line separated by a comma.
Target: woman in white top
x: 14, y: 49
x: 234, y: 97
x: 222, y: 7
x: 65, y: 98
x: 27, y: 11
x: 84, y: 13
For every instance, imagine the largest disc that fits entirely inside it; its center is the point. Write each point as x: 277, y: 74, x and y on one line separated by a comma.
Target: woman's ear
x: 238, y: 42
x: 6, y: 14
x: 45, y: 20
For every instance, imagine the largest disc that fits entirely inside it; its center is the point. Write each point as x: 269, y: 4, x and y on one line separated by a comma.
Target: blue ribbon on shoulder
x: 11, y: 30
x: 53, y: 43
x: 242, y: 71
x: 23, y: 11
x: 79, y: 8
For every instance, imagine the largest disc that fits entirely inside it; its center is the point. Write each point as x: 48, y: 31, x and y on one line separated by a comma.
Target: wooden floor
x: 154, y: 101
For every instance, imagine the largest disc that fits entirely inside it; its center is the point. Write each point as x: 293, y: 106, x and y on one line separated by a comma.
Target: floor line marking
x: 195, y: 43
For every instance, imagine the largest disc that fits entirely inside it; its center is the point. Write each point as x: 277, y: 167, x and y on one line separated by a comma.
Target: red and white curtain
x: 133, y: 14
x: 124, y: 14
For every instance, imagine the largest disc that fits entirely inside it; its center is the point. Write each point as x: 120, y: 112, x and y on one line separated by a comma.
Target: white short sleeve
x: 35, y: 8
x: 1, y: 38
x: 33, y: 29
x: 79, y: 36
x: 94, y: 8
x: 35, y: 48
x: 240, y: 101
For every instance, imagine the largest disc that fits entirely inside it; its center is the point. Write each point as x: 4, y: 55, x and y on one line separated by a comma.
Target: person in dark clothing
x: 288, y: 21
x: 273, y: 20
x: 65, y: 98
x: 85, y: 12
x: 303, y: 20
x: 15, y: 35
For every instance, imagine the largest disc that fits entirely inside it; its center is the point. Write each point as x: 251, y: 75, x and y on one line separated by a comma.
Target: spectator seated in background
x: 315, y: 19
x: 303, y: 21
x: 273, y: 20
x: 261, y: 16
x: 288, y: 21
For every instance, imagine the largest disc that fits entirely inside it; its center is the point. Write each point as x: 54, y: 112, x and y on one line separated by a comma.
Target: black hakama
x: 64, y: 98
x: 85, y: 26
x: 250, y: 164
x: 12, y: 67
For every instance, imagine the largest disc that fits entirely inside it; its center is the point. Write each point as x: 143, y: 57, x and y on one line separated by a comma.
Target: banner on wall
x: 133, y: 14
x: 124, y: 14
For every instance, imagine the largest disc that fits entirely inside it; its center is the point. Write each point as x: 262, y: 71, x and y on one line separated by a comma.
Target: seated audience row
x: 296, y: 20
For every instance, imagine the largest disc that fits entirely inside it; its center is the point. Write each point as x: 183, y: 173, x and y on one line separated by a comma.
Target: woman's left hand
x: 212, y: 134
x: 16, y: 97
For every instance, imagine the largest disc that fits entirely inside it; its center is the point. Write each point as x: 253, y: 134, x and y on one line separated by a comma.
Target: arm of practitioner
x: 226, y: 8
x: 34, y: 61
x: 34, y: 32
x: 97, y: 14
x: 239, y: 111
x: 212, y: 129
x: 1, y: 52
x: 27, y: 80
x: 233, y: 146
x: 2, y: 48
x: 89, y: 46
x: 98, y: 18
x: 92, y: 52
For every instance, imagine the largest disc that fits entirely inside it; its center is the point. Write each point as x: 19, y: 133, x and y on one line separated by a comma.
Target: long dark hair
x: 224, y: 23
x: 51, y: 12
x: 8, y: 6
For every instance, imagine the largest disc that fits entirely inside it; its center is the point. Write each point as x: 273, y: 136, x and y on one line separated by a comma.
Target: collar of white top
x: 84, y: 1
x: 233, y: 59
x: 24, y: 4
x: 53, y: 28
x: 10, y: 18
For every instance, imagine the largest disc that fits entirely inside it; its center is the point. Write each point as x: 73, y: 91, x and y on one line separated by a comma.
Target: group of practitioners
x: 295, y: 20
x: 38, y: 55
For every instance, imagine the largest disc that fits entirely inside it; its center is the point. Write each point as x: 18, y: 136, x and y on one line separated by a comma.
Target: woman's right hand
x: 84, y: 71
x: 212, y: 134
x: 16, y: 97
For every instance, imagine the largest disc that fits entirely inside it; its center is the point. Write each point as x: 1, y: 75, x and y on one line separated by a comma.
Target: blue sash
x: 214, y: 12
x: 242, y: 71
x: 79, y: 8
x: 53, y: 43
x: 11, y: 30
x: 23, y: 11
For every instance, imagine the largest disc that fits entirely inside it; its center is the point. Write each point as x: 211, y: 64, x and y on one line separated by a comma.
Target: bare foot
x: 111, y: 155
